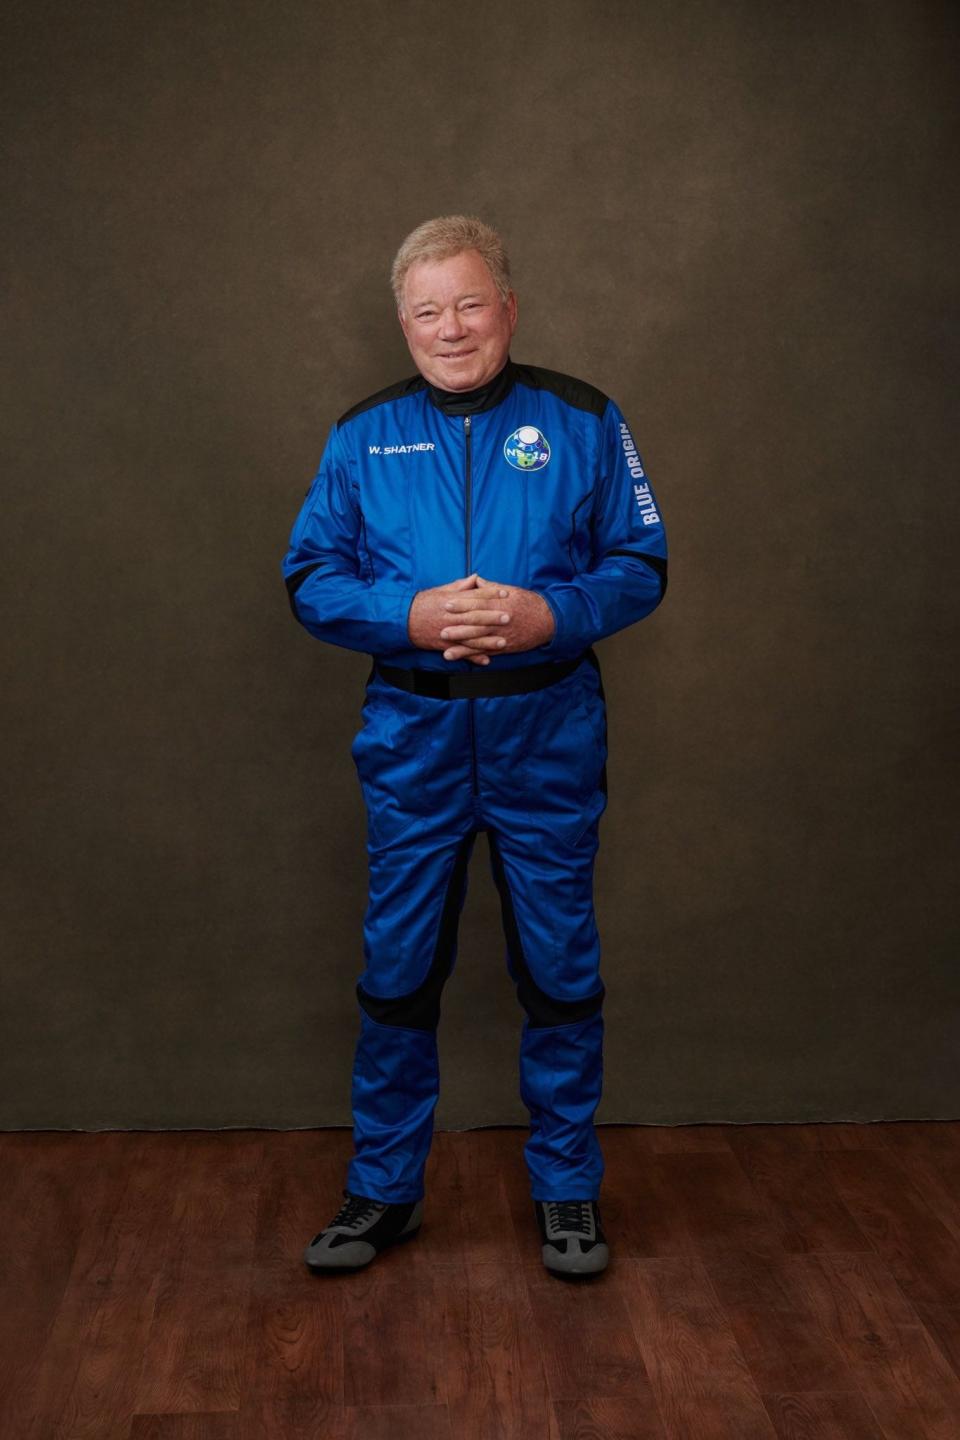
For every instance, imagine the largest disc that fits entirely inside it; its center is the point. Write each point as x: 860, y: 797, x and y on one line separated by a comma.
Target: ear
x: 403, y: 320
x: 512, y: 308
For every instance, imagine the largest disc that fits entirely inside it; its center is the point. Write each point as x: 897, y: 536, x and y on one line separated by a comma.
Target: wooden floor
x: 793, y: 1281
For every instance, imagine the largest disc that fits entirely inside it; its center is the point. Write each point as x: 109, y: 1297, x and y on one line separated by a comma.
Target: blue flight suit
x: 534, y: 480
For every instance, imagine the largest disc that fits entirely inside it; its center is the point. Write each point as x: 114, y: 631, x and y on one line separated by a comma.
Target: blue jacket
x: 534, y: 481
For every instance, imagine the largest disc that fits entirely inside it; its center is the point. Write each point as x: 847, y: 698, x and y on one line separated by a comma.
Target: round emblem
x: 527, y: 448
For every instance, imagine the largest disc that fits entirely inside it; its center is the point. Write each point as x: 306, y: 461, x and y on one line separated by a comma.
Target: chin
x: 463, y: 383
x: 462, y: 378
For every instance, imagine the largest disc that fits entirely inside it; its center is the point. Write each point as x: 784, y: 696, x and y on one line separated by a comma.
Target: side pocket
x: 564, y: 763
x: 387, y: 752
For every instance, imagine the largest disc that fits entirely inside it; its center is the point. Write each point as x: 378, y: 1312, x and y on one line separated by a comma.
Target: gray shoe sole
x: 576, y: 1262
x: 355, y: 1254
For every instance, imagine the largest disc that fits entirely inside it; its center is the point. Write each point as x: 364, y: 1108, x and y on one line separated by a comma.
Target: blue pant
x: 530, y: 771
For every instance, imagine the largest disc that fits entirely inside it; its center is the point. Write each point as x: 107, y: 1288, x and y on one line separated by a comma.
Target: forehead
x: 447, y: 279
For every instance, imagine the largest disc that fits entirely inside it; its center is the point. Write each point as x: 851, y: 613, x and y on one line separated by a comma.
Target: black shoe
x: 360, y: 1230
x: 572, y: 1236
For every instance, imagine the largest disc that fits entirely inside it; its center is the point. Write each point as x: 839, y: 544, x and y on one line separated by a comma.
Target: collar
x: 469, y: 402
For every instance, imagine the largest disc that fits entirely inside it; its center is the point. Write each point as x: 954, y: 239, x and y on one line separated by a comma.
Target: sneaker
x: 360, y: 1230
x: 572, y: 1236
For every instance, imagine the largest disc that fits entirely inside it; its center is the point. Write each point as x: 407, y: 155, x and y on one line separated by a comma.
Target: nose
x: 451, y: 325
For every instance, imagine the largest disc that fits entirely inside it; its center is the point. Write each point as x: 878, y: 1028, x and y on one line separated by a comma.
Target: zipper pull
x: 466, y: 423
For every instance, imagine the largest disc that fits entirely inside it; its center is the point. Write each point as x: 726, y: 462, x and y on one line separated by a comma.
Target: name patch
x: 401, y: 449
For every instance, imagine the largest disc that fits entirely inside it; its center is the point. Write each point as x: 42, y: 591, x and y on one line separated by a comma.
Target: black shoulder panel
x: 567, y: 387
x: 399, y: 391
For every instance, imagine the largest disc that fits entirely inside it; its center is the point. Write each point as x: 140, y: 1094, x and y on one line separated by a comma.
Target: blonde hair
x: 449, y: 235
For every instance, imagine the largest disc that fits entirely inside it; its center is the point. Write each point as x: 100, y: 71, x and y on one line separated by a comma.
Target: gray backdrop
x: 736, y: 218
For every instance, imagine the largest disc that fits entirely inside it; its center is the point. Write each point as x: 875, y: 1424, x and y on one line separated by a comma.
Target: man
x: 475, y: 529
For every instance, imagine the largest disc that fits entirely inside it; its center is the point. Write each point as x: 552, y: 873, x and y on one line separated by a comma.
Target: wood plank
x: 921, y: 1253
x: 397, y: 1422
x: 893, y: 1360
x: 765, y: 1299
x: 943, y: 1325
x: 586, y: 1339
x: 467, y: 1214
x: 184, y: 1427
x: 714, y: 1203
x: 698, y: 1373
x: 797, y: 1190
x: 929, y: 1155
x: 293, y: 1348
x: 193, y: 1357
x: 637, y: 1201
x: 85, y: 1383
x: 812, y: 1415
x: 605, y: 1419
x: 496, y: 1383
x: 395, y: 1325
x: 126, y: 1240
x: 293, y: 1415
x: 59, y: 1188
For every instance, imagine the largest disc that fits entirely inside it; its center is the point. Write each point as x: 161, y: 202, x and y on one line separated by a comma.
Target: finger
x: 464, y: 615
x: 464, y: 604
x: 493, y: 585
x: 468, y: 632
x: 461, y: 652
x: 478, y: 642
x: 466, y: 582
x: 473, y: 602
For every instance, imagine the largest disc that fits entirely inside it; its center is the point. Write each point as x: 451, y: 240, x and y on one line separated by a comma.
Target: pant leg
x: 413, y: 766
x: 417, y: 892
x: 553, y: 955
x: 544, y: 783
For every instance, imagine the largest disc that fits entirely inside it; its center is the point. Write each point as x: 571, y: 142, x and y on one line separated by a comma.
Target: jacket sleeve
x: 328, y: 572
x: 628, y: 574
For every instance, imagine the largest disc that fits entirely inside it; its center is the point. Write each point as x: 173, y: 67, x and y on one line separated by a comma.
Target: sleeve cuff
x: 549, y: 646
x: 406, y: 604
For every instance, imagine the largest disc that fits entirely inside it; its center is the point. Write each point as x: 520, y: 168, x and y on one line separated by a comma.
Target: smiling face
x: 456, y: 324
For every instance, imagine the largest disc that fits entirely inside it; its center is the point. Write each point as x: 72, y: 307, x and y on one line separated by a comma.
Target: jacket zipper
x: 467, y: 437
x: 471, y: 719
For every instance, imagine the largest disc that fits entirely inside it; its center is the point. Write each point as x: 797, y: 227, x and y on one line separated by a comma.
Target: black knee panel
x: 543, y: 1009
x: 420, y: 1009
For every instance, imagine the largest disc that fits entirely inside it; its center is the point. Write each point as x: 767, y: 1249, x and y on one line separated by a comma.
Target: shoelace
x: 569, y: 1215
x: 354, y: 1212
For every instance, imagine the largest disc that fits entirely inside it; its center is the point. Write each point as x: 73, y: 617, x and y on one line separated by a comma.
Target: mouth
x: 456, y: 354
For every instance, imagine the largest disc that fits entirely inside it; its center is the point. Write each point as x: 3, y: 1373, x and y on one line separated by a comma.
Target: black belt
x: 485, y: 680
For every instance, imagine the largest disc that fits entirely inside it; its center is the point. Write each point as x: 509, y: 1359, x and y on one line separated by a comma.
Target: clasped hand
x: 472, y: 619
